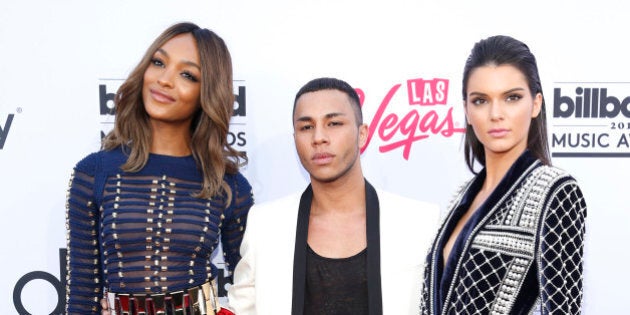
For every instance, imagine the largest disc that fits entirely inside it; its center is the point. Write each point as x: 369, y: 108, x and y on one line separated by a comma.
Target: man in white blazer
x: 341, y: 247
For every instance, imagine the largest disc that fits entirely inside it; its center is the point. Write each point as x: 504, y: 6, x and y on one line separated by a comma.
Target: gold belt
x: 199, y: 300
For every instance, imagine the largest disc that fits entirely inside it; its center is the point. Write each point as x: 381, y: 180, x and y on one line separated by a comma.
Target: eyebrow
x: 519, y: 89
x: 327, y: 116
x: 190, y: 63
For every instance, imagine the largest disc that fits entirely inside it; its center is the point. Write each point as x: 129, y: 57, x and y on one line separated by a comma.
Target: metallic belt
x: 200, y: 300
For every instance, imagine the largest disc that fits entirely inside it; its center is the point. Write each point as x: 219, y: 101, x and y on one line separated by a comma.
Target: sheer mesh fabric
x: 336, y: 286
x: 84, y: 266
x: 144, y: 232
x: 156, y: 236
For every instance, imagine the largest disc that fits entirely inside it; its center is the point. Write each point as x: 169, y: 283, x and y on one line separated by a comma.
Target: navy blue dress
x: 144, y: 232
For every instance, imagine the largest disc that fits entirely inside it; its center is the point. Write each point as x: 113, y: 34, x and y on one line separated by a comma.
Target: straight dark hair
x: 504, y: 50
x: 333, y: 84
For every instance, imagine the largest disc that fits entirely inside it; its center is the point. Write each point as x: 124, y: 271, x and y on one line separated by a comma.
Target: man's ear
x: 363, y: 135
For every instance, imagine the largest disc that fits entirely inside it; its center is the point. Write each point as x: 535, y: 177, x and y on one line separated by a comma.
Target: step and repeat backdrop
x: 62, y: 61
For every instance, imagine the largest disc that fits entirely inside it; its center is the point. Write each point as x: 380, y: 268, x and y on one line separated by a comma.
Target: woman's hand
x: 104, y: 307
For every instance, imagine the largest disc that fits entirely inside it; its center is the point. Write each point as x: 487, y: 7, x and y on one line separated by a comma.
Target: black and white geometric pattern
x: 531, y: 240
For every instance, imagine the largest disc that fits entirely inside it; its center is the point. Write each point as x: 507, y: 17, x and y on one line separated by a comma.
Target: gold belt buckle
x: 209, y: 299
x: 200, y: 300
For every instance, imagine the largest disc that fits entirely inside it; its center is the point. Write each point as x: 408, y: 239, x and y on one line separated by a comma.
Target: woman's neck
x: 171, y: 140
x: 497, y: 166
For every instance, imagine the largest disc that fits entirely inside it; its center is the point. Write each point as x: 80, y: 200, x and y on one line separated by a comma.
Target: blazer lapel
x: 299, y: 255
x: 373, y: 251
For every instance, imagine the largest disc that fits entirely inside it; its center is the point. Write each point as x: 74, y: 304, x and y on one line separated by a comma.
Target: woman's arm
x: 233, y: 225
x: 561, y: 250
x: 84, y: 288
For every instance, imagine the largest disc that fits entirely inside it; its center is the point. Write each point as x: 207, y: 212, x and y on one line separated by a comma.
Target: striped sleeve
x: 234, y: 224
x: 84, y: 287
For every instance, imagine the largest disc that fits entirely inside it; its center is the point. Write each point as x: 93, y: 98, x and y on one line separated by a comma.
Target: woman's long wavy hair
x: 210, y: 125
x: 505, y: 50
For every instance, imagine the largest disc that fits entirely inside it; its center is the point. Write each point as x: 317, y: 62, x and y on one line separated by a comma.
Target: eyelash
x: 308, y: 127
x: 510, y: 98
x: 186, y: 74
x: 190, y: 76
x: 157, y: 62
x: 514, y: 97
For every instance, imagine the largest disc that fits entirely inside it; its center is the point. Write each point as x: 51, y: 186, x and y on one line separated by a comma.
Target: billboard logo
x: 107, y: 89
x: 589, y: 103
x: 4, y: 130
x: 58, y: 283
x: 107, y: 93
x: 239, y: 101
x: 106, y: 100
x: 236, y: 136
x: 591, y: 119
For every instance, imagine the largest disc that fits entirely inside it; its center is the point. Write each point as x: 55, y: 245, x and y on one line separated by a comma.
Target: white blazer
x: 263, y: 278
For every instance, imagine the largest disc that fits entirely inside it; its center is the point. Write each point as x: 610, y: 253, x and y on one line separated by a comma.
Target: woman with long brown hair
x: 146, y: 213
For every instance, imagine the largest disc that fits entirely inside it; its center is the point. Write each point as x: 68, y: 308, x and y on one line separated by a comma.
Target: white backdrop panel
x: 55, y: 56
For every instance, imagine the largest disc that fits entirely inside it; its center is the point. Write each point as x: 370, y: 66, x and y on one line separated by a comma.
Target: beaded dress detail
x: 144, y: 232
x: 523, y: 255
